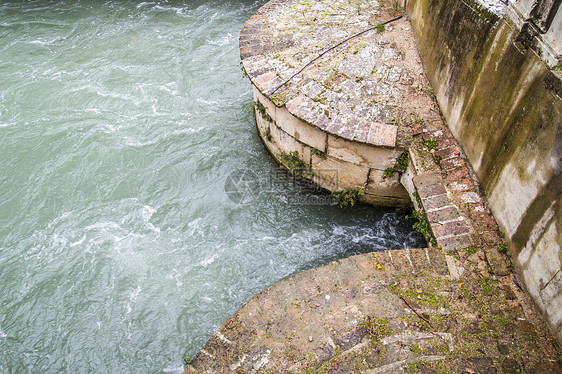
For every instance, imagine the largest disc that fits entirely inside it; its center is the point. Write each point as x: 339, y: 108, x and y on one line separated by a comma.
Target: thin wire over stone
x: 331, y: 48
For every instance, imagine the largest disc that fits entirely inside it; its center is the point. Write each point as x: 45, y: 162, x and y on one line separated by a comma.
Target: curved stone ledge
x: 331, y: 162
x: 351, y: 112
x: 388, y: 312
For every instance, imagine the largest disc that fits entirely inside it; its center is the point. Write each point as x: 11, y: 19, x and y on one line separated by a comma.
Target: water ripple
x: 119, y: 124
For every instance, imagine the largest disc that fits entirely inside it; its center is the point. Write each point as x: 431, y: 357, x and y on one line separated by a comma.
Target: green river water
x: 120, y: 124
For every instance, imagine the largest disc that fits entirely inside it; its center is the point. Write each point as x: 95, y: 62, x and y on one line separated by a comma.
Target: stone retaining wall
x: 333, y: 163
x: 503, y: 104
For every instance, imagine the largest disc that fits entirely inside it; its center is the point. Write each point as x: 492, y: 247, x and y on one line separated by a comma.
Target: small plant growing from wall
x: 503, y: 248
x: 186, y: 361
x: 318, y: 153
x: 402, y: 162
x: 380, y: 27
x: 430, y: 144
x: 348, y: 197
x: 292, y: 161
x: 421, y: 223
x: 400, y: 165
x: 389, y: 172
x: 294, y: 164
x: 262, y: 111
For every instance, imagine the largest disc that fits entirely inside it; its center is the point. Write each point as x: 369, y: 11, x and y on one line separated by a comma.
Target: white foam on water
x: 74, y: 244
x: 338, y: 230
x: 176, y: 369
x: 361, y: 238
x: 170, y: 8
x: 209, y: 260
x: 194, y: 227
x: 145, y: 3
x: 225, y: 40
x: 135, y: 293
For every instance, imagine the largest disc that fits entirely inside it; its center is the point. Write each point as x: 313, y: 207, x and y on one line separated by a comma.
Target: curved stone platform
x: 410, y: 311
x: 348, y: 112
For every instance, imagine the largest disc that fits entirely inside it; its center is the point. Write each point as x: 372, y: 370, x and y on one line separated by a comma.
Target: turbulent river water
x: 120, y: 250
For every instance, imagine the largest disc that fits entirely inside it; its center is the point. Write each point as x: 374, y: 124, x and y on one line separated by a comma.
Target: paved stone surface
x: 370, y: 89
x: 415, y: 310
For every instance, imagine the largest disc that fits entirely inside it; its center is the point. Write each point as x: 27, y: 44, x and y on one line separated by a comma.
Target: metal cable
x: 331, y: 48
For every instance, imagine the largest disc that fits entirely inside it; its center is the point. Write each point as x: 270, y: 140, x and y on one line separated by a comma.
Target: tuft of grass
x: 377, y: 328
x: 295, y: 166
x: 430, y: 144
x: 422, y: 223
x: 400, y: 165
x: 402, y: 162
x: 503, y: 248
x: 318, y: 153
x: 262, y: 111
x: 348, y: 197
x: 380, y: 27
x: 389, y: 172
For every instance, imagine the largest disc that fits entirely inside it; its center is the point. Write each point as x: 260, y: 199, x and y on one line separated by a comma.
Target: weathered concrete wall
x: 502, y: 103
x: 337, y: 164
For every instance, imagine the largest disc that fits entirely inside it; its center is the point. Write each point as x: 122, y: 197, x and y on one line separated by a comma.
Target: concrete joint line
x: 454, y: 270
x: 427, y: 256
x: 460, y: 219
x: 238, y: 363
x: 453, y: 236
x: 207, y: 354
x: 441, y: 208
x: 431, y: 196
x: 410, y: 260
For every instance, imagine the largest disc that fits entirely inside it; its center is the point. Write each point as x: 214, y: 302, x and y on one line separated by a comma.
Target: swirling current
x: 122, y: 245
